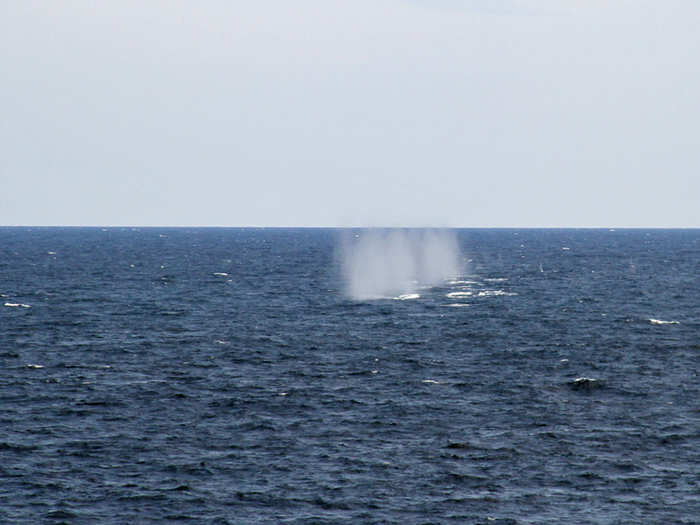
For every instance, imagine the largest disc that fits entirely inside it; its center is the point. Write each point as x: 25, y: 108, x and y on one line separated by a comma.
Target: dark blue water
x: 222, y: 376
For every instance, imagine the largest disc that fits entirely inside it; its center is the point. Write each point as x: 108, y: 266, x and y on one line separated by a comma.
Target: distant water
x: 228, y: 376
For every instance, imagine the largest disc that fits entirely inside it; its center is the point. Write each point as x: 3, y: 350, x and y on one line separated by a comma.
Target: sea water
x: 349, y: 376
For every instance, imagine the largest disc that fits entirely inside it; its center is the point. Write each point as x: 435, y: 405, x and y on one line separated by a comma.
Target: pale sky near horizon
x: 462, y: 113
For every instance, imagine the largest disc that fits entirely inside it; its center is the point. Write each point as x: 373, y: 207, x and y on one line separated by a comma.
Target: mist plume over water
x: 389, y: 263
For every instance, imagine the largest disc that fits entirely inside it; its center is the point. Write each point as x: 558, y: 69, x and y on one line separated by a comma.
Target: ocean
x: 322, y: 376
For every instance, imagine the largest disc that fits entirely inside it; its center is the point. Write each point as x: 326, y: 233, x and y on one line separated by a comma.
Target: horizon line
x: 352, y: 227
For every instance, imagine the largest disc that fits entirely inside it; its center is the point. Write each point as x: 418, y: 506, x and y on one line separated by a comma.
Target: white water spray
x: 394, y: 263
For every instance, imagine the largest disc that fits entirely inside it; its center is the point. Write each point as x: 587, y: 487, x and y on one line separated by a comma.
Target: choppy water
x: 224, y: 376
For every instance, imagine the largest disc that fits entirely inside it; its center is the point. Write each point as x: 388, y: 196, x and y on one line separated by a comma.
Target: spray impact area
x: 380, y: 264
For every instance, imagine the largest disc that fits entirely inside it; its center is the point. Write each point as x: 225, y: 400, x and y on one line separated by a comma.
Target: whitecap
x: 17, y: 305
x: 51, y: 253
x: 34, y: 366
x: 221, y: 274
x: 456, y: 305
x: 494, y: 293
x: 462, y: 282
x: 407, y: 296
x: 221, y: 342
x: 496, y: 279
x: 659, y: 321
x: 452, y: 295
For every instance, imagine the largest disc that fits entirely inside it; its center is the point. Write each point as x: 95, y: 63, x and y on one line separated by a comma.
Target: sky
x: 438, y: 113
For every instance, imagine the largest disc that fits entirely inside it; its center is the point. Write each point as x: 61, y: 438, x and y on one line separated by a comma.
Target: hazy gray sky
x: 359, y: 112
